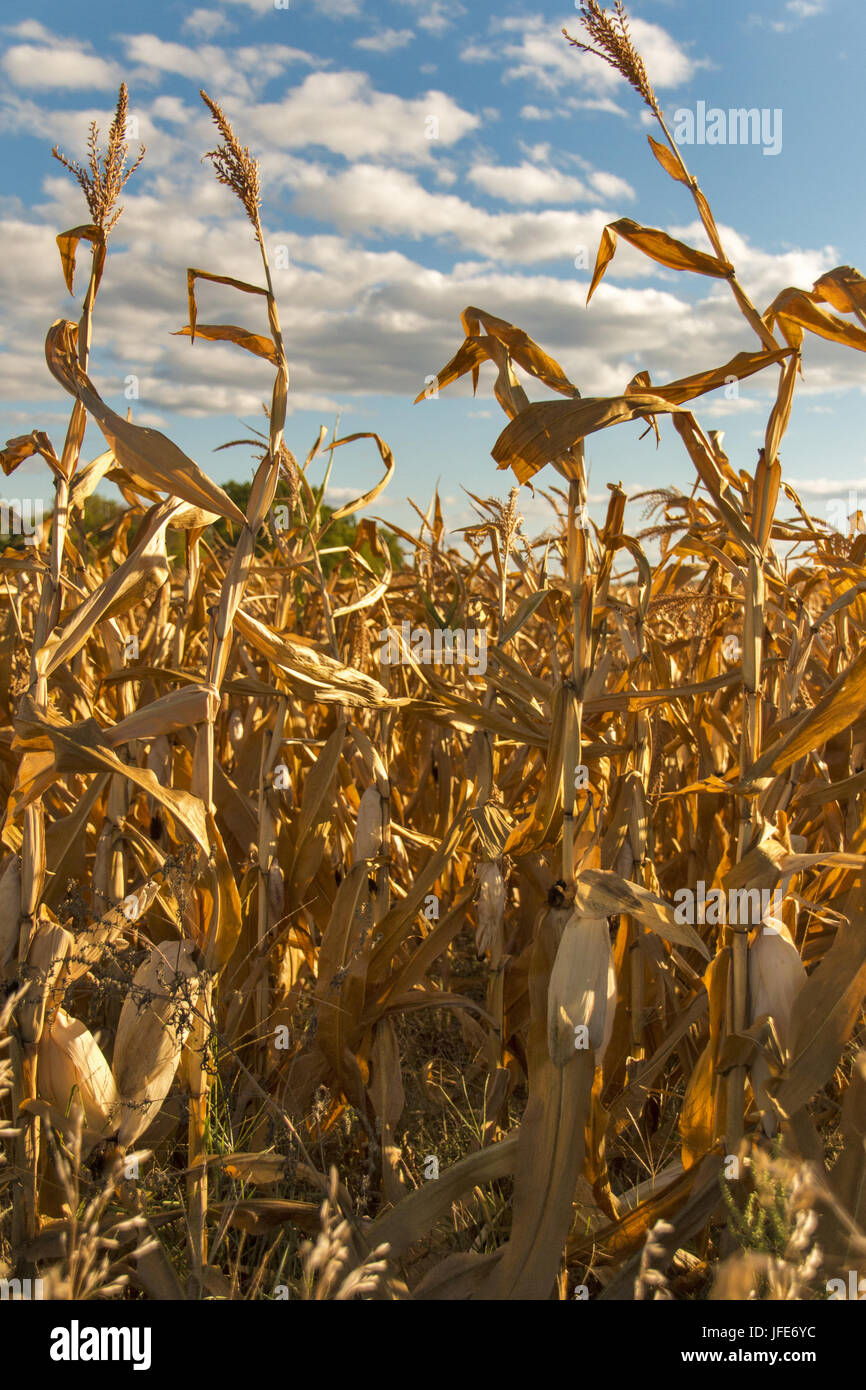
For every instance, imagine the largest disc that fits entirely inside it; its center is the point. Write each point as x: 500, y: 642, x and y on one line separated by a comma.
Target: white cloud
x: 28, y: 29
x: 344, y: 113
x: 534, y: 48
x: 667, y: 64
x: 340, y: 112
x: 827, y: 487
x: 151, y: 418
x: 439, y: 17
x: 762, y: 273
x: 206, y: 23
x: 386, y: 41
x: 719, y: 409
x: 606, y: 104
x: 536, y: 181
x: 371, y: 199
x: 436, y: 16
x: 58, y: 63
x: 340, y: 493
x: 358, y: 320
x: 339, y: 9
x: 806, y: 9
x: 611, y: 185
x: 239, y: 70
x: 333, y: 9
x: 795, y: 11
x: 172, y: 109
x: 630, y: 490
x: 527, y: 183
x: 20, y: 114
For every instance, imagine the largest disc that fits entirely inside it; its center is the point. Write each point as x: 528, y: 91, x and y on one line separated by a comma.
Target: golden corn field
x: 345, y: 957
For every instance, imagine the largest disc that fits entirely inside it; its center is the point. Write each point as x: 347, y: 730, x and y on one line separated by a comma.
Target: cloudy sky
x: 419, y: 156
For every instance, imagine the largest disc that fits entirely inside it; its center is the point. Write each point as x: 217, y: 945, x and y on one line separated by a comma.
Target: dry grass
x: 343, y: 979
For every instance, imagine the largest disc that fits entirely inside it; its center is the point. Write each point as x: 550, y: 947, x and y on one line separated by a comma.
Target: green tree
x: 338, y: 533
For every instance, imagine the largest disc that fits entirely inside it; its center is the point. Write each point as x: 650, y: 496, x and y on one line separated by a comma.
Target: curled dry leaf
x: 660, y: 247
x: 143, y: 451
x: 229, y: 333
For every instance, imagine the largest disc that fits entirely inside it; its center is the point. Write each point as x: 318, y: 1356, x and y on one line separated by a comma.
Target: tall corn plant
x: 101, y: 180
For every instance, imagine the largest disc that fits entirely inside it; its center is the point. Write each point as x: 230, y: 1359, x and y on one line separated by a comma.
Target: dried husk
x: 582, y: 988
x: 154, y: 1024
x: 367, y: 841
x: 10, y: 908
x: 90, y: 943
x: 491, y: 909
x: 73, y: 1071
x: 48, y: 950
x: 776, y: 976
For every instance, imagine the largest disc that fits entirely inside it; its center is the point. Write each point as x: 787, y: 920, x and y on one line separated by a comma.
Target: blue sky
x: 389, y: 234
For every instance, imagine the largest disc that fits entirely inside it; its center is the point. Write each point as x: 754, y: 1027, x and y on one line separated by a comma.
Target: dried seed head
x: 290, y: 471
x: 234, y: 165
x: 104, y: 180
x: 510, y: 520
x: 610, y: 32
